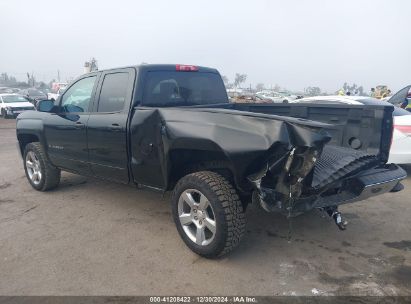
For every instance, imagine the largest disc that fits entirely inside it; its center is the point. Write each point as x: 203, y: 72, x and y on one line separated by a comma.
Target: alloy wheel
x: 197, y: 217
x: 33, y: 168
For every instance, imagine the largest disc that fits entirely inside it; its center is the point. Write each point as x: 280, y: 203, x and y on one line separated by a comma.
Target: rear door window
x: 113, y: 92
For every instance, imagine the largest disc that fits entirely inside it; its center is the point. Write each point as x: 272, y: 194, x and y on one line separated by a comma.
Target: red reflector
x: 186, y: 68
x: 404, y: 129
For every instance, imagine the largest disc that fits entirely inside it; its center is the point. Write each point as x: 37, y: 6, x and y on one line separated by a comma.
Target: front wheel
x: 208, y: 214
x: 41, y: 174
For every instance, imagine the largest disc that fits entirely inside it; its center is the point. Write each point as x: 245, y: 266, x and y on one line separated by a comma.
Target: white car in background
x: 12, y: 105
x: 400, y: 152
x: 276, y: 97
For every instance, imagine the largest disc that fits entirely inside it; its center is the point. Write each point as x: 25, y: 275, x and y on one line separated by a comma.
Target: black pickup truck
x: 172, y: 128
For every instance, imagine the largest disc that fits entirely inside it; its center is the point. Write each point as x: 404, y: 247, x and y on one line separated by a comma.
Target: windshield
x: 172, y: 88
x: 14, y: 98
x: 399, y: 97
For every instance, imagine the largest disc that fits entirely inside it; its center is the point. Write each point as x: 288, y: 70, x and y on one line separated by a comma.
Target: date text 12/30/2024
x: 203, y: 299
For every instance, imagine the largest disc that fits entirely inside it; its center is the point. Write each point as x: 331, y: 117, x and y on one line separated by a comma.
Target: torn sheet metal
x: 247, y: 141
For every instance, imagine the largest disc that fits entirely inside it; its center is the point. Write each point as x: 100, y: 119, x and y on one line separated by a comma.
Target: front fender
x: 29, y: 128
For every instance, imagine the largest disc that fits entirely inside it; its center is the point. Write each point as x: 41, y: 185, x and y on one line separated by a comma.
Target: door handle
x: 79, y: 125
x: 116, y: 127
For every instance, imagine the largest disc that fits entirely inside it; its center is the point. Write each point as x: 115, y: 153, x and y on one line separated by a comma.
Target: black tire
x: 227, y: 208
x: 285, y: 101
x: 50, y: 175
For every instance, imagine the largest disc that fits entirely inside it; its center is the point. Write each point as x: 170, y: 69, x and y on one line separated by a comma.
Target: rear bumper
x: 367, y: 184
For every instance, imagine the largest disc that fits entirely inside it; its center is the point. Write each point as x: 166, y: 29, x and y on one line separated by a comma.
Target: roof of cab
x: 160, y: 67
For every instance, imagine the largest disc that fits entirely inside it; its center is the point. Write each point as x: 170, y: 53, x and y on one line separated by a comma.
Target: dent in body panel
x: 246, y: 142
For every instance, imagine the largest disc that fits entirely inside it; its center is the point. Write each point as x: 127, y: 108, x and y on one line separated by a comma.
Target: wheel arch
x: 26, y: 138
x: 28, y: 131
x: 187, y: 161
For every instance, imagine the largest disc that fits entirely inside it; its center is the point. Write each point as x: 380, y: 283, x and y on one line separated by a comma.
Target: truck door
x: 65, y: 131
x: 107, y: 125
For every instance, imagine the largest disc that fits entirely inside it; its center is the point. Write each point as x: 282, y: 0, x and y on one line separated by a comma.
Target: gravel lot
x: 91, y: 237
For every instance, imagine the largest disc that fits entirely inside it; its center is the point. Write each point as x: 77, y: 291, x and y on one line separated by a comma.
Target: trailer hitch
x: 336, y: 215
x: 339, y: 220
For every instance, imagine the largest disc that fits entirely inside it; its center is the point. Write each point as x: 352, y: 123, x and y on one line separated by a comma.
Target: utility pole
x: 58, y: 75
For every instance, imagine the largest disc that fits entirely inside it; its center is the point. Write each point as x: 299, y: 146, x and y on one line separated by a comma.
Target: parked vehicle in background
x: 12, y: 105
x: 402, y: 98
x: 234, y: 93
x: 16, y: 90
x: 276, y: 97
x: 333, y: 99
x: 400, y: 152
x: 55, y: 96
x: 7, y: 90
x: 291, y: 96
x: 55, y: 86
x: 249, y: 98
x: 34, y: 95
x: 259, y: 99
x: 171, y: 128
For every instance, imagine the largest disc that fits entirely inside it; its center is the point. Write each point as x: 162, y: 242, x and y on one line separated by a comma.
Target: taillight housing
x: 186, y: 68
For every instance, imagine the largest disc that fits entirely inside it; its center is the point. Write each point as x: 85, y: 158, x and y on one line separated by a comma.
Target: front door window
x: 77, y: 98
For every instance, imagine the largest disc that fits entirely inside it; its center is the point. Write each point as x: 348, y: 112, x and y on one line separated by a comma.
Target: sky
x: 292, y: 43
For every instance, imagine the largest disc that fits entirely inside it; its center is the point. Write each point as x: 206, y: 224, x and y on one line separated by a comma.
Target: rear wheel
x: 41, y: 174
x: 208, y: 213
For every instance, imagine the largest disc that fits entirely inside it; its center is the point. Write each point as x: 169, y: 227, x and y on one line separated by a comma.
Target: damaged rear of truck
x: 285, y: 158
x: 174, y: 129
x: 286, y: 164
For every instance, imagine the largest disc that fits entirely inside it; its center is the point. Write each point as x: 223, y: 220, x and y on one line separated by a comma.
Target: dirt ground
x: 91, y: 237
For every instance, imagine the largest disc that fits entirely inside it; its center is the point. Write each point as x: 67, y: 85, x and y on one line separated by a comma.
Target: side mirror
x: 45, y: 105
